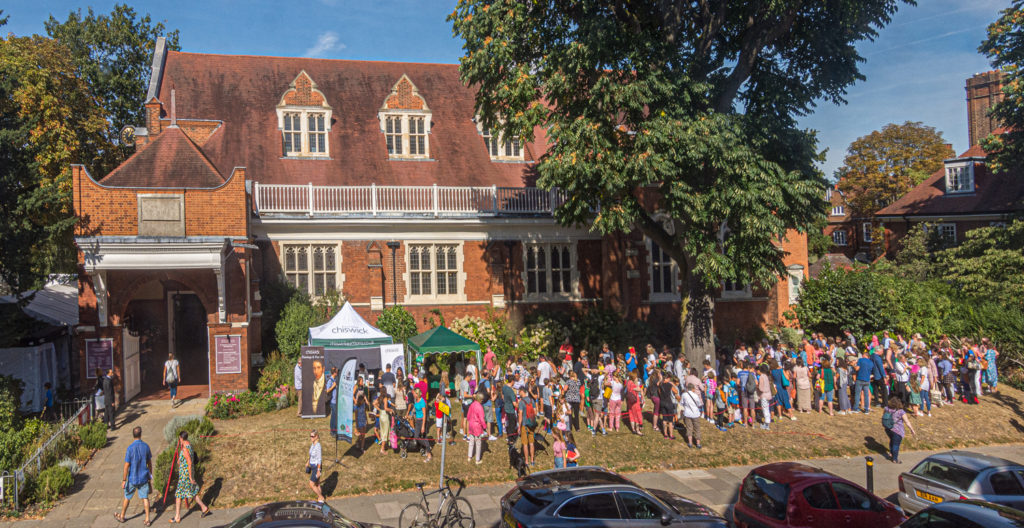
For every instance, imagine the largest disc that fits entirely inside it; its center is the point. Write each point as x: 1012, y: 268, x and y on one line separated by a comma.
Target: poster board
x: 393, y: 355
x: 99, y: 353
x: 228, y: 354
x: 316, y: 363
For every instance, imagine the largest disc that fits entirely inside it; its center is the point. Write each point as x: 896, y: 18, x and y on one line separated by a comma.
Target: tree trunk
x: 696, y: 318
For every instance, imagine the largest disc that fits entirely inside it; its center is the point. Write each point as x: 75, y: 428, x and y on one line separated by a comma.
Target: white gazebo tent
x: 347, y: 329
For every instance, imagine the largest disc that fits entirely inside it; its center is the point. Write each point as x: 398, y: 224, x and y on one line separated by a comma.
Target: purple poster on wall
x: 99, y: 354
x: 228, y: 354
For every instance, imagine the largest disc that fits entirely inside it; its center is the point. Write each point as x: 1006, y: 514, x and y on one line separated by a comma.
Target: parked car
x: 966, y: 514
x: 791, y: 494
x: 961, y: 475
x: 583, y: 497
x: 307, y: 514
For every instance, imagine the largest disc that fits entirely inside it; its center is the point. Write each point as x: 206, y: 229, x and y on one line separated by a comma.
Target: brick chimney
x: 983, y: 91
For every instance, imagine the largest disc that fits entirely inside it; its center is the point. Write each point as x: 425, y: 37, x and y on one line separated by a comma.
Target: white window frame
x: 311, y: 273
x: 947, y: 232
x: 865, y: 229
x: 839, y: 238
x: 960, y: 177
x: 795, y: 282
x: 433, y: 297
x: 671, y: 294
x: 498, y: 148
x: 304, y: 132
x: 838, y: 210
x: 405, y: 117
x: 546, y: 271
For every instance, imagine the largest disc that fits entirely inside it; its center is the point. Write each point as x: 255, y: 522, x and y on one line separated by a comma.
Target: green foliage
x: 694, y: 102
x: 488, y: 332
x: 784, y: 334
x: 398, y: 323
x: 93, y: 434
x: 883, y: 165
x: 197, y: 425
x: 11, y: 389
x: 1004, y: 47
x: 274, y: 295
x: 818, y: 243
x: 293, y: 327
x: 276, y: 376
x: 841, y: 299
x: 228, y: 405
x: 327, y: 305
x: 542, y: 337
x: 988, y: 264
x: 51, y: 483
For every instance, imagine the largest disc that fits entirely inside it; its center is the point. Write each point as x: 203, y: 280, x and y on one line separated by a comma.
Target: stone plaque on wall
x: 161, y: 215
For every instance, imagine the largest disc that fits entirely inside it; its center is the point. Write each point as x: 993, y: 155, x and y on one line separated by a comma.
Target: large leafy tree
x: 113, y: 54
x: 883, y: 165
x: 1005, y: 49
x: 48, y: 120
x: 687, y: 109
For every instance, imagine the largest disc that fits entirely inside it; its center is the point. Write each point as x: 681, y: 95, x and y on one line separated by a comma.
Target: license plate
x: 509, y: 521
x: 928, y: 496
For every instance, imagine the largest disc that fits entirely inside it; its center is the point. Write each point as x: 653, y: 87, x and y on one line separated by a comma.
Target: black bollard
x: 869, y: 462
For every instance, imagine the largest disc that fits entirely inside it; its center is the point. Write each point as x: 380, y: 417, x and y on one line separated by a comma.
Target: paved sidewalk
x: 98, y: 492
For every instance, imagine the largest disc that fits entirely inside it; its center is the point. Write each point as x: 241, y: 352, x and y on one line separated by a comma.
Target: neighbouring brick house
x: 964, y: 194
x: 371, y: 178
x: 851, y: 236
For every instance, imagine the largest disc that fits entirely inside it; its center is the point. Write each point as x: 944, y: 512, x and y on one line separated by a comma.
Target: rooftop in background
x: 56, y: 304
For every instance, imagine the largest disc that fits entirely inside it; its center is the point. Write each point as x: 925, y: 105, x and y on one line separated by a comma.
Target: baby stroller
x: 405, y: 435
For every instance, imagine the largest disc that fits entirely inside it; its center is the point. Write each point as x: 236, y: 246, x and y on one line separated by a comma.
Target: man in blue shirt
x: 879, y: 378
x: 138, y: 473
x: 865, y: 367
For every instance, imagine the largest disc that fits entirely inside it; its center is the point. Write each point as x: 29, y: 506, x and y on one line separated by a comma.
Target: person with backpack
x: 690, y: 402
x: 634, y: 404
x: 827, y: 382
x: 669, y: 395
x: 896, y: 422
x: 765, y: 394
x: 614, y: 400
x: 748, y: 393
x: 573, y: 397
x: 527, y: 425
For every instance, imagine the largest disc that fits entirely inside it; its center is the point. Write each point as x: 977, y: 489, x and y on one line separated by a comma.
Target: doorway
x: 188, y: 337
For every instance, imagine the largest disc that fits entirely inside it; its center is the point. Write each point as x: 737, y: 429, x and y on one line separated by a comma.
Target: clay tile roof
x: 995, y: 193
x: 244, y: 92
x: 172, y: 160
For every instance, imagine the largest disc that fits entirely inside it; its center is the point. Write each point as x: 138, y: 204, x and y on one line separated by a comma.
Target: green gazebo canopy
x: 441, y: 340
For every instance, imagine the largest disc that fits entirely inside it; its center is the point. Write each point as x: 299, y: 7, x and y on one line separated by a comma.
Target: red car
x: 791, y: 494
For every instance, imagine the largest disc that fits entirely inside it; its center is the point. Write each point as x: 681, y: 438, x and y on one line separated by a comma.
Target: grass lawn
x: 259, y: 459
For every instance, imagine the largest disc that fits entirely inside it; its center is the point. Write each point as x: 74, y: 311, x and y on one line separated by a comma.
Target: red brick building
x: 371, y: 178
x: 851, y: 236
x: 964, y: 194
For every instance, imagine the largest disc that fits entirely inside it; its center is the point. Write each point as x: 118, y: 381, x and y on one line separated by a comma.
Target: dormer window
x: 498, y: 147
x: 405, y: 122
x: 304, y: 119
x: 959, y: 177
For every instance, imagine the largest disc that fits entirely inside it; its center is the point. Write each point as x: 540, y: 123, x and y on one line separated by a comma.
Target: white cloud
x: 327, y: 42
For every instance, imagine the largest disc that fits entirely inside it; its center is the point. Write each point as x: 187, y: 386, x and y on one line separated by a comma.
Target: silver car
x: 959, y: 475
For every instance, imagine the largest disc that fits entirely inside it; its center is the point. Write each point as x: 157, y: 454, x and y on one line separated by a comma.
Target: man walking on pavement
x: 138, y: 474
x: 108, y: 398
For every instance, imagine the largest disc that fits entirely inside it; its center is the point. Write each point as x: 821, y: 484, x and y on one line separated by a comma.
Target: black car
x: 584, y: 497
x: 307, y: 514
x: 966, y: 514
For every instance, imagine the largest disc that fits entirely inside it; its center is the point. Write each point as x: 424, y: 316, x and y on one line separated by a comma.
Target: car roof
x: 978, y: 510
x: 571, y: 478
x: 972, y: 460
x: 792, y: 472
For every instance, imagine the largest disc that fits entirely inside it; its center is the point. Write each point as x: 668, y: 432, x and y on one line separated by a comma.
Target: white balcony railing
x: 388, y: 200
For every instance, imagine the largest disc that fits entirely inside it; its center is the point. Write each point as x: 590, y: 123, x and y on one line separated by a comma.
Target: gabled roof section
x: 303, y: 92
x: 243, y: 92
x: 172, y: 160
x: 994, y: 193
x: 405, y: 96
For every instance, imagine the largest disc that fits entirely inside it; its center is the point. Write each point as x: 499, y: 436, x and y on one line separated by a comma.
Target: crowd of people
x: 751, y: 386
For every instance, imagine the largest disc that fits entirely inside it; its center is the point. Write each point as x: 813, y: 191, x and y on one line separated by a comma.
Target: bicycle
x: 453, y: 511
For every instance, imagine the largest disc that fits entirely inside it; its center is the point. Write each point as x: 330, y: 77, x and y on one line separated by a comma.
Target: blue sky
x: 915, y: 70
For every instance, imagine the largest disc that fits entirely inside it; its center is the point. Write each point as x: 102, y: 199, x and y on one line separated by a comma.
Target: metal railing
x: 392, y: 200
x: 34, y: 464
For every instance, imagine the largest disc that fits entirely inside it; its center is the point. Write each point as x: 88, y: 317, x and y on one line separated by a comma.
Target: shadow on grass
x: 1009, y: 402
x: 873, y: 445
x: 329, y: 484
x: 213, y: 492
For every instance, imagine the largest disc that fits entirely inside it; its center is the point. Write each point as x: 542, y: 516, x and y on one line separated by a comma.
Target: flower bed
x: 226, y: 405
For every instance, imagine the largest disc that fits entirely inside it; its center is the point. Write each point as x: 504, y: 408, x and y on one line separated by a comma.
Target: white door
x: 132, y: 379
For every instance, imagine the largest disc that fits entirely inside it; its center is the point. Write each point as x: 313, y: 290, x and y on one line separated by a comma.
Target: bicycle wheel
x: 413, y: 516
x: 459, y: 514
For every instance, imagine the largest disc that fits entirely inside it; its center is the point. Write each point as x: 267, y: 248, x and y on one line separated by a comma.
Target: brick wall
x: 303, y: 93
x: 405, y: 97
x: 983, y: 91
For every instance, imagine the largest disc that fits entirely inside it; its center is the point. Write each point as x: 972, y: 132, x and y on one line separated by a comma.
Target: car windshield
x: 295, y: 511
x: 946, y: 473
x: 765, y: 495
